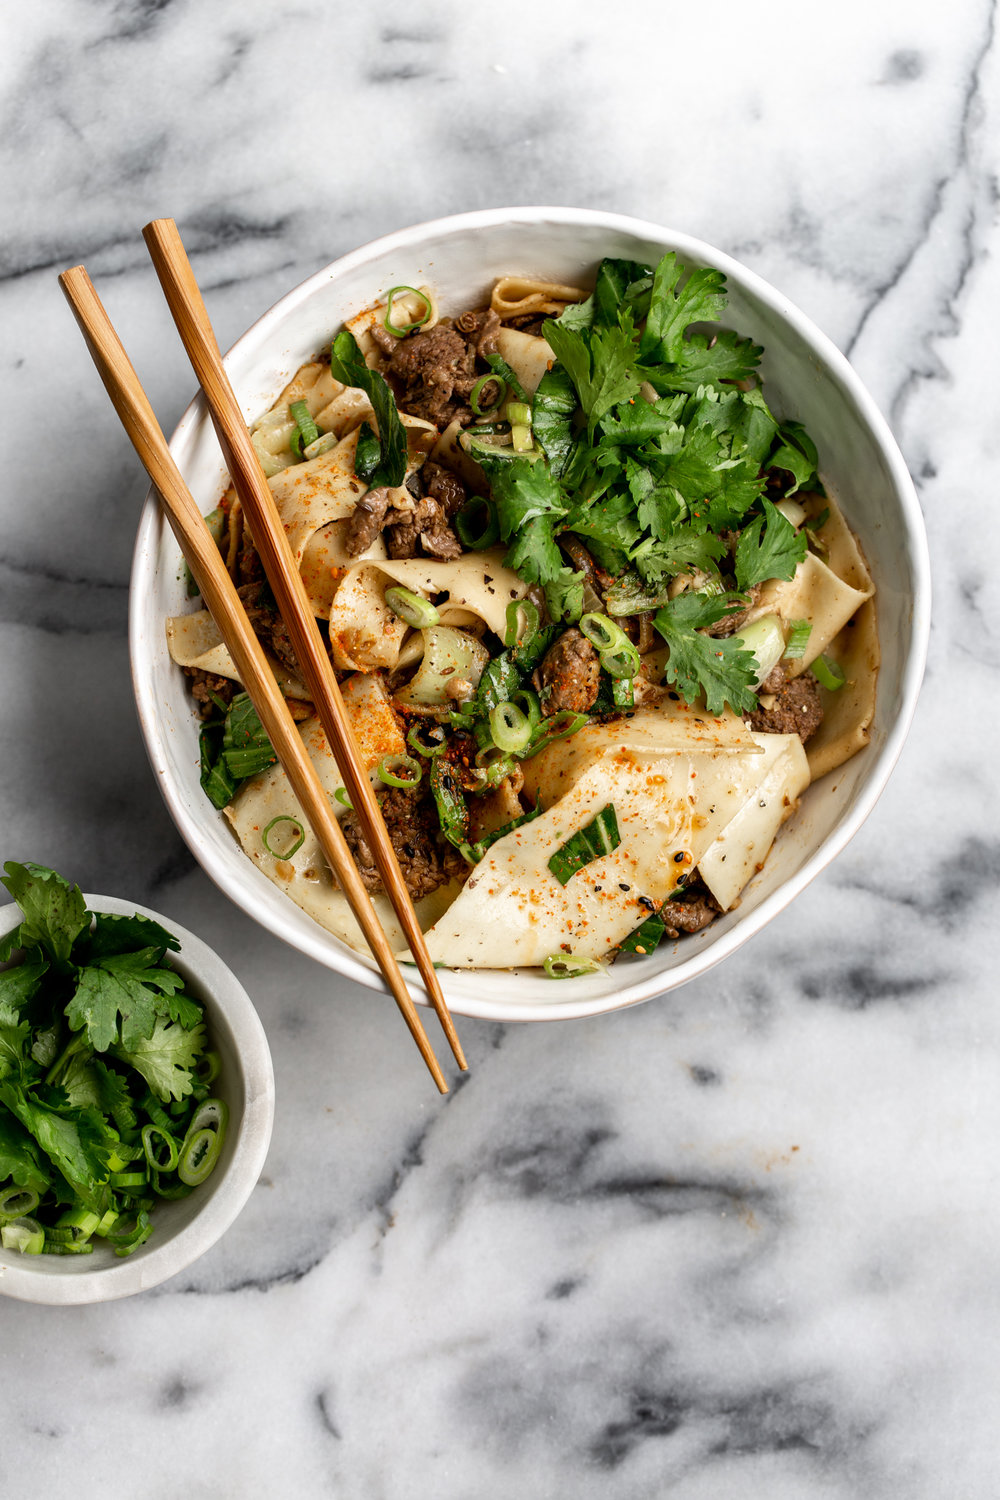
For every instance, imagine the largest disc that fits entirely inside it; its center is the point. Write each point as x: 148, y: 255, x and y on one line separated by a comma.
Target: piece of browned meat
x: 203, y: 685
x: 268, y: 626
x: 442, y: 485
x: 796, y: 709
x: 426, y: 525
x: 425, y: 857
x: 690, y: 914
x: 432, y: 373
x: 569, y: 675
x: 480, y: 327
x: 366, y: 521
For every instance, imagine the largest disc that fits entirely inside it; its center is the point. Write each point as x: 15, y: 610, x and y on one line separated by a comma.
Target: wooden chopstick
x: 219, y: 592
x: 191, y: 318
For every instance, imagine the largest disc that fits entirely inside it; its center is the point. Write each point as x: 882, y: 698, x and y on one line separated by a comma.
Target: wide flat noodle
x: 521, y: 296
x: 194, y: 641
x: 305, y: 877
x: 742, y: 846
x: 848, y: 712
x: 364, y: 632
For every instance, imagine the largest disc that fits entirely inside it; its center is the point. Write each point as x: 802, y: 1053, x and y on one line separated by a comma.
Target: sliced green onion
x: 108, y: 1223
x: 479, y: 387
x: 82, y: 1222
x: 566, y: 966
x: 163, y: 1158
x: 596, y: 839
x: 67, y: 1247
x: 24, y: 1234
x: 494, y: 763
x: 427, y: 740
x: 515, y: 609
x: 521, y: 439
x: 322, y: 444
x: 306, y: 431
x: 766, y: 640
x: 518, y: 414
x: 532, y: 708
x: 798, y: 639
x: 399, y: 770
x: 477, y: 524
x: 405, y: 328
x: 198, y: 1156
x: 285, y: 853
x: 17, y: 1203
x: 341, y: 796
x: 510, y: 728
x: 173, y: 1189
x: 125, y: 1243
x: 602, y: 633
x: 559, y: 727
x: 416, y: 611
x: 827, y: 673
x: 246, y: 748
x: 475, y: 852
x: 128, y: 1180
x: 622, y: 692
x: 622, y: 661
x: 207, y: 1068
x: 213, y: 1112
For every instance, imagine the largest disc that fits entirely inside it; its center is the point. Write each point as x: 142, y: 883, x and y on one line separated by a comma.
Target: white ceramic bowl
x: 185, y: 1228
x: 805, y: 376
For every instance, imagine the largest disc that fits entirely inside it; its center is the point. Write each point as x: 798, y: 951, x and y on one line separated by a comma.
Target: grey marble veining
x: 740, y: 1243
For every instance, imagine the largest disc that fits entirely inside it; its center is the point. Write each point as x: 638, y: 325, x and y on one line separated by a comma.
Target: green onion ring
x: 405, y: 328
x: 17, y: 1203
x: 198, y: 1156
x: 208, y: 1067
x: 284, y: 818
x: 213, y: 1112
x: 306, y: 431
x: 566, y: 966
x: 531, y: 616
x: 601, y: 632
x: 412, y: 608
x: 510, y: 728
x: 24, y: 1234
x: 340, y: 795
x: 518, y: 414
x: 559, y: 727
x: 149, y: 1134
x: 427, y: 746
x: 480, y: 385
x: 532, y: 707
x: 128, y: 1180
x: 622, y: 661
x: 390, y: 767
x: 464, y: 524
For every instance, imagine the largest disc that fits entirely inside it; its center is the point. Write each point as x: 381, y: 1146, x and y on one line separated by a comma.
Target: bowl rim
x: 22, y: 1280
x: 323, y: 946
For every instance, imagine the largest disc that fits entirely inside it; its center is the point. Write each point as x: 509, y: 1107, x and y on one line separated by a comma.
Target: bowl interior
x: 805, y: 376
x: 187, y: 1227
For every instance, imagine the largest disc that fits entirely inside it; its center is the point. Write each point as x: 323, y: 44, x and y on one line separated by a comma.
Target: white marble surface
x: 739, y: 1242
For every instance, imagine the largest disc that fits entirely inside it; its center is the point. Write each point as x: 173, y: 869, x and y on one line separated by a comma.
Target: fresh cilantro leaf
x: 530, y: 506
x: 87, y: 1080
x: 616, y: 279
x: 77, y: 1146
x: 600, y: 363
x: 717, y: 489
x: 20, y: 1157
x: 564, y: 596
x: 707, y: 359
x: 639, y: 421
x: 576, y: 315
x: 120, y: 934
x: 552, y: 412
x: 126, y: 985
x: 776, y: 554
x: 165, y: 1057
x: 678, y: 299
x: 9, y: 943
x: 610, y: 527
x: 54, y: 911
x: 715, y: 668
x: 367, y: 453
x: 658, y: 506
x: 347, y: 364
x: 45, y: 1047
x: 796, y: 452
x: 14, y: 1035
x: 181, y: 1008
x: 18, y: 985
x: 685, y: 549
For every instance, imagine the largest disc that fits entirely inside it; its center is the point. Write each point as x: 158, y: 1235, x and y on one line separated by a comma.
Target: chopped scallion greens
x: 596, y: 839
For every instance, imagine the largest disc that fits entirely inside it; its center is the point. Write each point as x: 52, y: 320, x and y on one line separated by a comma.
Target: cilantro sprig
x: 655, y: 445
x: 103, y: 1072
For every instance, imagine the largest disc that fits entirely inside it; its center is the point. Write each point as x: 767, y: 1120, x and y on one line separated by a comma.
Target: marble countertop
x: 741, y: 1241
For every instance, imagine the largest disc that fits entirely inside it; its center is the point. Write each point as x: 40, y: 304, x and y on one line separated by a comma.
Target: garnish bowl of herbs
x: 136, y: 1094
x: 807, y: 386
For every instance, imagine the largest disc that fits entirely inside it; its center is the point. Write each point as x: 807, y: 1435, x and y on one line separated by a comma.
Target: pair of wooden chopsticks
x: 219, y: 592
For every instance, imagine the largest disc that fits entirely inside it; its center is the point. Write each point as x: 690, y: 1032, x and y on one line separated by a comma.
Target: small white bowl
x: 805, y: 376
x: 185, y: 1228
